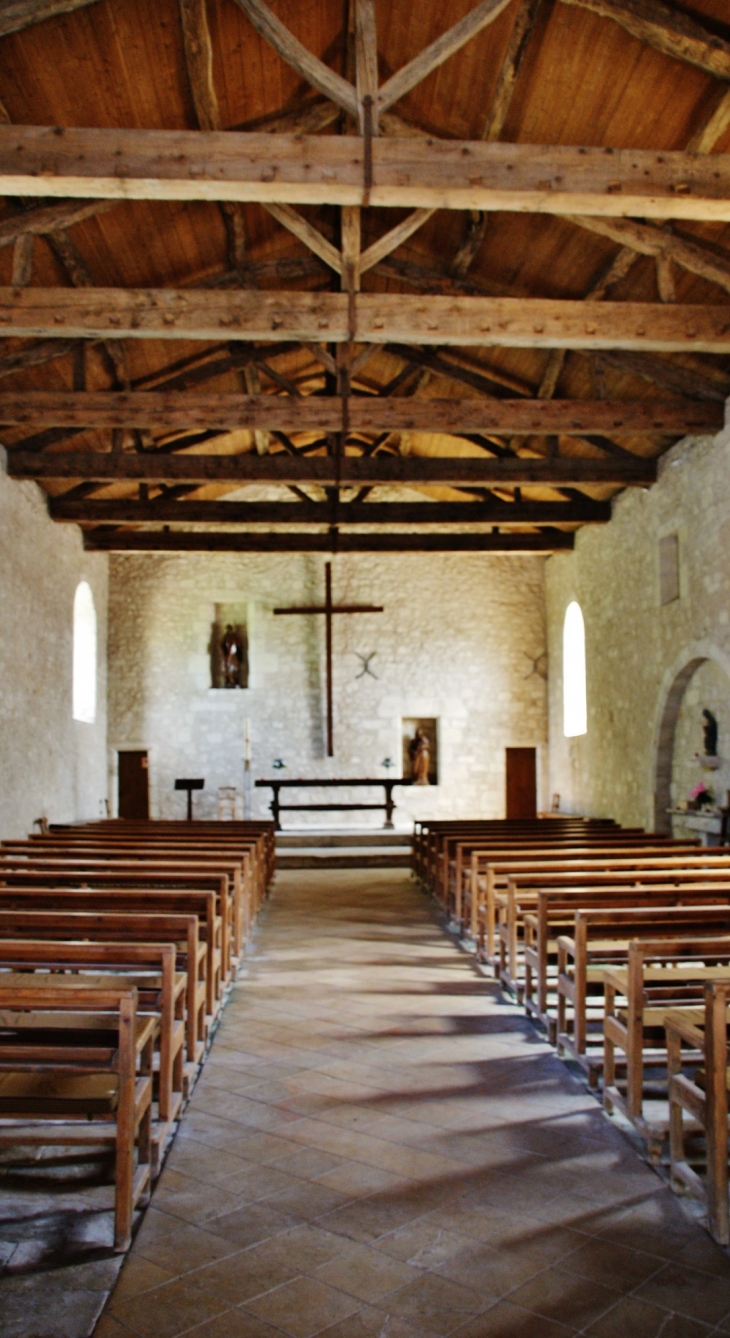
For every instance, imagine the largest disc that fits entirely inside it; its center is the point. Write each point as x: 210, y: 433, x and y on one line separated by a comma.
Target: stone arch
x: 665, y: 743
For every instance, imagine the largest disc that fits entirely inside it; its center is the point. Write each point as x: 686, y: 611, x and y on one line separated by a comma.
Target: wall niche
x: 228, y: 647
x: 410, y: 728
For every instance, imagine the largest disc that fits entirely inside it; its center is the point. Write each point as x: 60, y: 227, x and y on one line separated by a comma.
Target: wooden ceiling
x: 331, y: 274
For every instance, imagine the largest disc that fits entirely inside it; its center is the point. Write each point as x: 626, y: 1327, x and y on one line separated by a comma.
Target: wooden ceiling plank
x: 358, y: 471
x: 329, y: 169
x: 670, y: 31
x: 128, y: 511
x: 18, y: 14
x: 234, y: 411
x: 434, y: 55
x: 545, y: 541
x: 291, y: 50
x: 309, y: 317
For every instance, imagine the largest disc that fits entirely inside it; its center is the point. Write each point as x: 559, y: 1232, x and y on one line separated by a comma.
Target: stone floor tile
x: 179, y: 1251
x: 354, y: 1178
x: 565, y: 1298
x: 234, y: 1323
x: 616, y: 1266
x: 703, y: 1296
x: 303, y: 1307
x: 505, y: 1320
x: 633, y: 1318
x: 243, y: 1275
x: 167, y: 1311
x: 250, y: 1224
x: 139, y: 1275
x: 435, y: 1304
x: 366, y: 1273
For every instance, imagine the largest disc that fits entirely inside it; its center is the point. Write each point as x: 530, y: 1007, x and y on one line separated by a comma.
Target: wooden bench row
x: 116, y: 948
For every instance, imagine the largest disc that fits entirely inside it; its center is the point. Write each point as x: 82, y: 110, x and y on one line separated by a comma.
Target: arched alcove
x: 665, y: 743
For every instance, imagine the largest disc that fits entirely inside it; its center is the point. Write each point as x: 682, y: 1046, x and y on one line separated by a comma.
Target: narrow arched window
x: 84, y: 660
x: 574, y: 672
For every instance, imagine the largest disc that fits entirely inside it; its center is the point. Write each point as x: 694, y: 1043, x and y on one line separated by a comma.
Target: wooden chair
x: 76, y: 1068
x: 703, y: 1095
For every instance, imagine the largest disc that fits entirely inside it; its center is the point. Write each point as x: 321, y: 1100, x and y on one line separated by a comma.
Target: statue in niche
x: 419, y: 750
x: 709, y: 730
x: 233, y: 654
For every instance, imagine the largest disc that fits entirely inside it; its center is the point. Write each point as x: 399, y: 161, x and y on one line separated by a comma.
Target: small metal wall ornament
x: 365, y: 660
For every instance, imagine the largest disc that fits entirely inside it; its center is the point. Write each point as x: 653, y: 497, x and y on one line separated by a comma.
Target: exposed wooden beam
x: 652, y: 241
x: 80, y: 276
x: 313, y: 317
x: 18, y: 14
x: 311, y: 69
x: 329, y: 169
x: 311, y: 236
x: 378, y: 250
x: 672, y: 376
x: 713, y: 127
x: 519, y: 41
x: 668, y: 30
x: 493, y: 512
x: 434, y: 55
x: 366, y: 63
x: 230, y: 542
x: 315, y: 413
x: 199, y: 62
x: 45, y: 218
x: 22, y: 260
x: 359, y: 471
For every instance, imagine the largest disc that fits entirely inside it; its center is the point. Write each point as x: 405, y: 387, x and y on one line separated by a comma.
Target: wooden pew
x: 522, y: 898
x: 428, y: 837
x: 81, y: 1057
x: 703, y: 1096
x: 140, y: 901
x: 148, y: 967
x: 125, y: 927
x: 661, y: 976
x: 496, y: 866
x: 601, y: 937
x: 162, y: 875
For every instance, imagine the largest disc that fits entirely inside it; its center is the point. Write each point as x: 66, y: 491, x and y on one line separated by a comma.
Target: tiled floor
x: 379, y: 1145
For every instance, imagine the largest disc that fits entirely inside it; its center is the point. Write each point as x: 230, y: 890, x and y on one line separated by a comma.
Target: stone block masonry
x: 458, y: 641
x: 637, y: 648
x: 50, y: 763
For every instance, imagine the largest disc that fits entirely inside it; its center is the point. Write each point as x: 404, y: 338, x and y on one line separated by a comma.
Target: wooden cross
x: 328, y: 609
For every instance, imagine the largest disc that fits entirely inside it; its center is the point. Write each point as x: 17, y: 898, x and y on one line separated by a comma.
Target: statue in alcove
x: 709, y: 730
x: 419, y: 750
x: 233, y: 654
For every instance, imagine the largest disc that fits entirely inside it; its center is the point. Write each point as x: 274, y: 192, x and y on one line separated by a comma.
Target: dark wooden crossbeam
x: 160, y: 541
x: 123, y: 510
x: 359, y: 471
x: 165, y: 410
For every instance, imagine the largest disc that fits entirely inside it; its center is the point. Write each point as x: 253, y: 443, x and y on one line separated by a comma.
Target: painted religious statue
x: 232, y: 658
x: 709, y: 730
x: 419, y: 750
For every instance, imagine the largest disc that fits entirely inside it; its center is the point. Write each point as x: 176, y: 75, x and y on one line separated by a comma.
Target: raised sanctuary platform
x: 357, y: 849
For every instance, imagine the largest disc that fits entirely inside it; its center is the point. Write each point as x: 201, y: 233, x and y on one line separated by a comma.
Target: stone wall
x: 637, y: 649
x: 51, y: 764
x: 458, y: 640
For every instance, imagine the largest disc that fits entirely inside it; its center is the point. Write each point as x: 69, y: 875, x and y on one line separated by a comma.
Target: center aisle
x: 379, y: 1145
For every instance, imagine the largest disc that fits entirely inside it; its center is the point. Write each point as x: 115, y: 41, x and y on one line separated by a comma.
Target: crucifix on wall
x: 329, y: 609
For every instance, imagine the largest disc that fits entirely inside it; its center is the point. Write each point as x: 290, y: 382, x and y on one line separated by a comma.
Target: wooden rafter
x: 668, y: 30
x: 647, y: 239
x: 18, y: 14
x: 371, y: 413
x: 418, y: 69
x: 329, y: 169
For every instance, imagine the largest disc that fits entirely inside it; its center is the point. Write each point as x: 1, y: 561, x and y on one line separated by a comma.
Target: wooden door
x: 133, y: 786
x: 521, y: 783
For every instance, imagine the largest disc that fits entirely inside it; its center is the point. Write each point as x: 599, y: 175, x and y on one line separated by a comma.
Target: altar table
x: 277, y: 807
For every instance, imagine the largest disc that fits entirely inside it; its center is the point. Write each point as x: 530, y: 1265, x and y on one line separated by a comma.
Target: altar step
x: 343, y: 850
